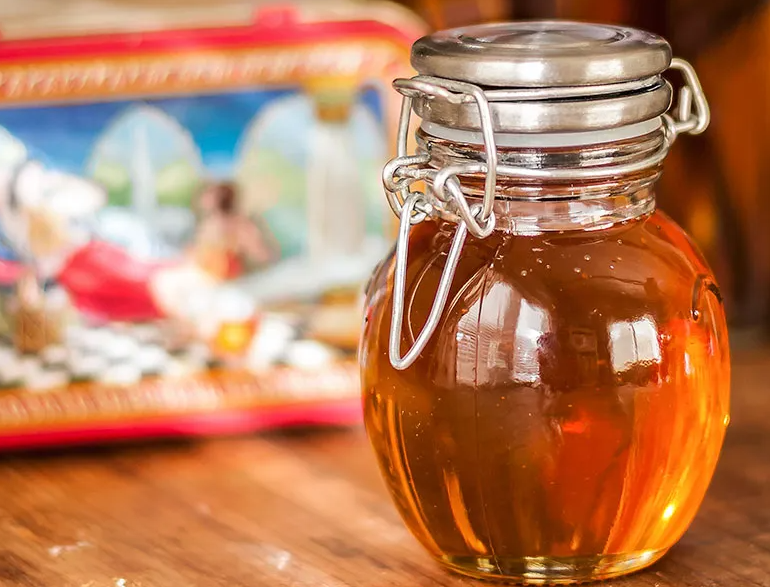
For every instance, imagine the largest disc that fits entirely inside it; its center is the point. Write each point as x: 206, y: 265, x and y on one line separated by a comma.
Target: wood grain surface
x: 308, y: 509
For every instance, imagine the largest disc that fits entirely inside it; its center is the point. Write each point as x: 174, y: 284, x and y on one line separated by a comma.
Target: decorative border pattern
x: 208, y: 71
x: 169, y: 396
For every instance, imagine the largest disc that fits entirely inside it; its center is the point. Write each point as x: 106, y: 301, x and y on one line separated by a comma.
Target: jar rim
x: 545, y: 76
x: 544, y: 140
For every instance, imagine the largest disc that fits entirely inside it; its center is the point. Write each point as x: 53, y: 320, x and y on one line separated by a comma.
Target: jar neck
x: 529, y: 206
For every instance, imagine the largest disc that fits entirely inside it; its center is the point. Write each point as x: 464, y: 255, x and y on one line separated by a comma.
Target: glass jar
x: 544, y: 358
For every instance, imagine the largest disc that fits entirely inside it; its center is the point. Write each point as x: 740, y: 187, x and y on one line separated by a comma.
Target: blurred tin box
x: 189, y: 204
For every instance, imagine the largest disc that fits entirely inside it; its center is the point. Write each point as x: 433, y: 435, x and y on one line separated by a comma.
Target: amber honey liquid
x: 565, y: 419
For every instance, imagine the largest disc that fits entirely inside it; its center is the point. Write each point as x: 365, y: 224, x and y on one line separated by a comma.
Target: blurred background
x: 191, y: 191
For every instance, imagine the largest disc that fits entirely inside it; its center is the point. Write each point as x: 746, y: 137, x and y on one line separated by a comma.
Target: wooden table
x: 309, y: 509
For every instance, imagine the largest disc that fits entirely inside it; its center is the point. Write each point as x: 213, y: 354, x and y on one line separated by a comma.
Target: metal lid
x: 544, y: 76
x: 548, y: 53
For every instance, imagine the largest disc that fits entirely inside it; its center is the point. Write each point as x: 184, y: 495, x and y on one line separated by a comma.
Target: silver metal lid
x: 544, y: 76
x: 536, y: 54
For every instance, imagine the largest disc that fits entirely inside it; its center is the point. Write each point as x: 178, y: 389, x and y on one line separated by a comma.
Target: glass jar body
x: 564, y: 420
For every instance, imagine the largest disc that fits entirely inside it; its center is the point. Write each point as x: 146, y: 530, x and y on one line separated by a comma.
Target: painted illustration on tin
x: 171, y: 235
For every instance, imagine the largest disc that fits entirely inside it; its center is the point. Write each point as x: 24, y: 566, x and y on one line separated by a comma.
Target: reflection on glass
x: 499, y: 338
x: 633, y: 342
x: 532, y: 324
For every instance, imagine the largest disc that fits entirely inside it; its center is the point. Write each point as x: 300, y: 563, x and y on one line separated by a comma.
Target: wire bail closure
x: 690, y: 115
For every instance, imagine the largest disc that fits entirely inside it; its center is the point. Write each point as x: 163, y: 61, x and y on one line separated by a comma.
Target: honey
x: 544, y: 359
x: 566, y: 418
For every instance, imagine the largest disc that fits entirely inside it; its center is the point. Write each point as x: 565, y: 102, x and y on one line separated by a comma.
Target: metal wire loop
x: 400, y: 173
x: 399, y: 289
x: 446, y: 187
x: 458, y: 92
x: 691, y: 94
